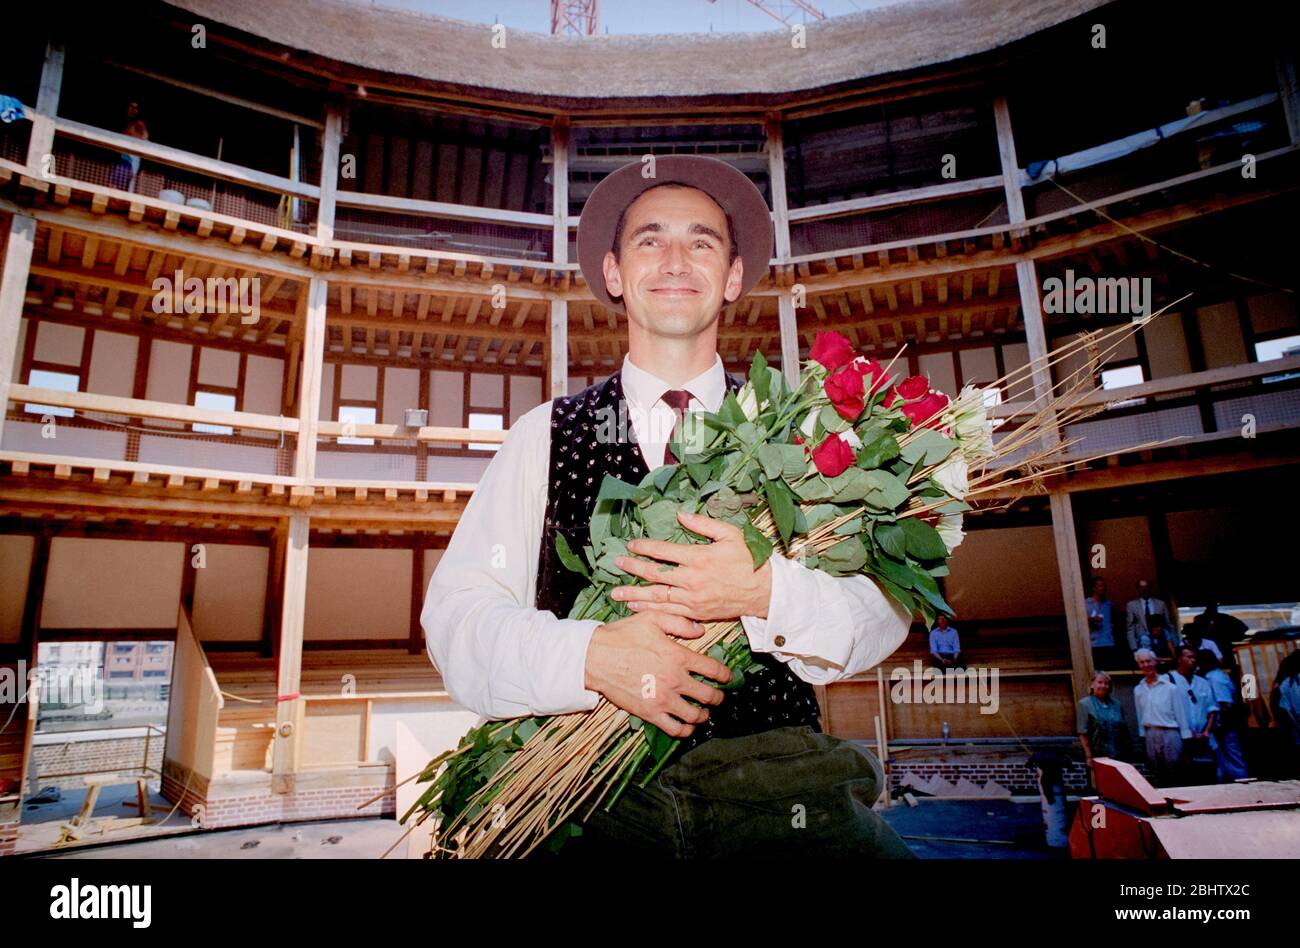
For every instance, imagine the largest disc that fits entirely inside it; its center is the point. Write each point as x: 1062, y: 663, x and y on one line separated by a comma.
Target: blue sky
x: 629, y: 16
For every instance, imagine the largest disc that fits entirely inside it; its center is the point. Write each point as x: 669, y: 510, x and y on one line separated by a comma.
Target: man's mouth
x: 675, y: 291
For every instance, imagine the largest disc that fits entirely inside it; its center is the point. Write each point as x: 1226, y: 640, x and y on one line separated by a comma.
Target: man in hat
x: 755, y: 774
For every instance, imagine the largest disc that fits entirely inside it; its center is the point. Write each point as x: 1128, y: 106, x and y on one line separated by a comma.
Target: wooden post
x: 1010, y: 169
x: 329, y: 171
x: 41, y: 142
x: 311, y: 307
x: 288, y: 716
x: 1064, y: 534
x: 557, y: 339
x: 13, y: 288
x: 273, y: 600
x: 781, y: 227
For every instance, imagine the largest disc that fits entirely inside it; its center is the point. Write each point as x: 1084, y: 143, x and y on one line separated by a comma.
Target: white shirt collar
x: 644, y: 390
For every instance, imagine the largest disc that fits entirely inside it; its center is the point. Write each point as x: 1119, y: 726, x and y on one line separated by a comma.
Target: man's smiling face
x: 674, y: 270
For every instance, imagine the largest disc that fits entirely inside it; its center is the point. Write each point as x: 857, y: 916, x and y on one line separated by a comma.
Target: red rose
x: 877, y: 373
x: 844, y: 389
x: 891, y: 396
x: 926, y: 409
x: 832, y: 350
x: 914, y: 387
x: 833, y: 456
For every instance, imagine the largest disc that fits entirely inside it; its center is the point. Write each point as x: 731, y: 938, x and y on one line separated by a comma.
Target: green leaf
x: 847, y: 556
x: 818, y: 514
x: 898, y: 594
x: 927, y: 446
x: 894, y: 571
x: 781, y: 502
x: 923, y: 540
x: 700, y: 472
x: 892, y: 540
x: 815, y: 488
x: 773, y: 460
x: 725, y: 502
x: 731, y: 413
x: 663, y: 475
x: 611, y: 488
x: 832, y: 420
x: 572, y: 561
x: 660, y: 519
x: 760, y: 547
x: 928, y: 588
x: 849, y: 527
x: 611, y: 547
x: 759, y: 377
x: 876, y: 452
x: 848, y: 486
x: 886, y: 491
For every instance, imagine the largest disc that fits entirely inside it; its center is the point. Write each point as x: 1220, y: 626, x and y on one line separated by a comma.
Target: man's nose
x: 675, y: 258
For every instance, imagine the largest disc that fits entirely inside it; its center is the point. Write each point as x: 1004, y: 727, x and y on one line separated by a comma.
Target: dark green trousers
x: 787, y: 792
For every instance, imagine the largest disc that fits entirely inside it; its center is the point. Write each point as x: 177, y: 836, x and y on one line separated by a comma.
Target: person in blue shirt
x: 945, y: 645
x: 1101, y: 627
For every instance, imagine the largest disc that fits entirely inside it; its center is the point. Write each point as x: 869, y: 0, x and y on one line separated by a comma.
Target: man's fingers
x: 686, y: 712
x: 680, y: 553
x: 679, y: 626
x: 670, y: 608
x: 648, y: 570
x: 708, y: 667
x: 671, y: 726
x: 705, y: 694
x: 708, y: 527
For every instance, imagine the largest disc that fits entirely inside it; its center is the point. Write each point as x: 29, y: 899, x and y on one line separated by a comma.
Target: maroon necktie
x: 677, y: 399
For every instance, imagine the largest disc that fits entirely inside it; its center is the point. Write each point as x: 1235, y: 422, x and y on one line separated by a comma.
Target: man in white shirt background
x: 1202, y: 709
x: 670, y: 256
x: 1162, y: 720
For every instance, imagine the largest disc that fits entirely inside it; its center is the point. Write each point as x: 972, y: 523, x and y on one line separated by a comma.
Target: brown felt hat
x: 734, y: 192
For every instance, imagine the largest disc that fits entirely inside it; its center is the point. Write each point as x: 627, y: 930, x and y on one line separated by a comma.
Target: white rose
x: 951, y: 475
x: 950, y: 531
x: 810, y: 423
x: 748, y: 401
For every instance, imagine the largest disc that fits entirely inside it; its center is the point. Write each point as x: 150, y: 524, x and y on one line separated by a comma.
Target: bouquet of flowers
x: 850, y: 471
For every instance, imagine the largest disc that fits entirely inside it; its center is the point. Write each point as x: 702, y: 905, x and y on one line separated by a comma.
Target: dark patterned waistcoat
x: 771, y: 698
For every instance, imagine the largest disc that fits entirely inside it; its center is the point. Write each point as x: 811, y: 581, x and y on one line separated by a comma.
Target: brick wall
x: 107, y: 754
x: 318, y: 804
x: 1014, y: 775
x: 8, y: 838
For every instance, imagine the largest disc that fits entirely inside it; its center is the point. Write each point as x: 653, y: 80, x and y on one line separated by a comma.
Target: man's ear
x: 735, y: 279
x: 613, y: 278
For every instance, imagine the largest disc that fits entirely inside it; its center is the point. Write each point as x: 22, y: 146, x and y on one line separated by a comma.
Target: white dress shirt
x: 501, y: 657
x: 1160, y: 705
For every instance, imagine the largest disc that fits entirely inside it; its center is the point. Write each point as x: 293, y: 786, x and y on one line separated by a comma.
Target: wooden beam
x: 312, y: 304
x: 41, y: 142
x: 557, y: 346
x: 288, y: 709
x: 13, y: 289
x: 329, y: 172
x: 1010, y: 170
x: 785, y: 312
x: 1064, y: 533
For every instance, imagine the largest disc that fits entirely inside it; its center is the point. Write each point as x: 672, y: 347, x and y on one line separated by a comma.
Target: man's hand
x: 711, y: 582
x: 635, y: 664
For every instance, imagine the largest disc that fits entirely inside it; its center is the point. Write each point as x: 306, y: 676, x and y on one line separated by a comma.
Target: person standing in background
x: 1162, y: 721
x: 1101, y: 626
x: 1138, y: 616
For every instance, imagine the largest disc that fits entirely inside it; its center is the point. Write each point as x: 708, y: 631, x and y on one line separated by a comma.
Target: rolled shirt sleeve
x: 826, y: 627
x: 498, y: 655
